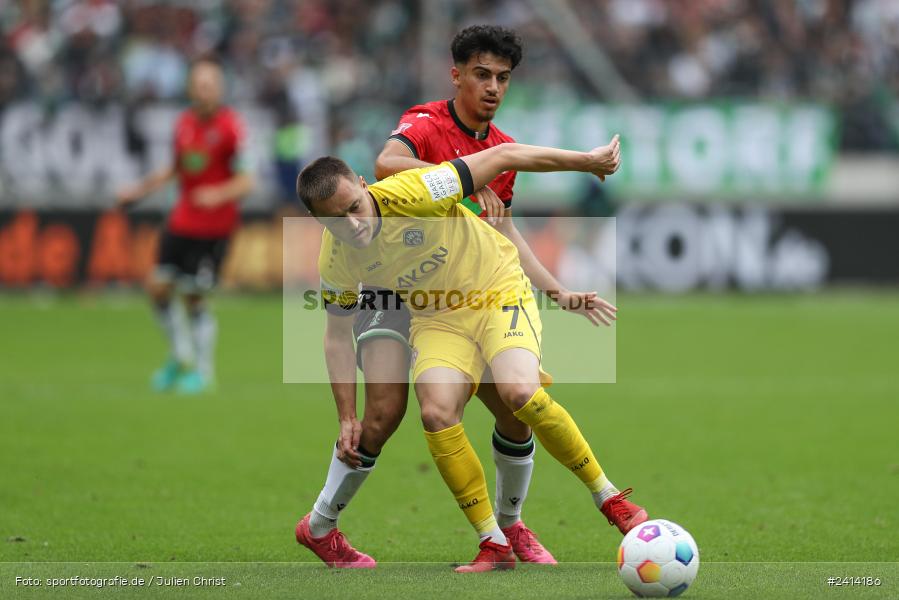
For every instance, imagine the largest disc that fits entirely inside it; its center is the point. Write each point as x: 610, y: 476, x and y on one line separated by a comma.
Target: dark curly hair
x: 476, y: 39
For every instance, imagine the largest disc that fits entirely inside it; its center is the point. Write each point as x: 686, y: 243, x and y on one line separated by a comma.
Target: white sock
x: 320, y: 525
x: 514, y: 465
x: 171, y: 321
x: 495, y: 535
x: 606, y: 491
x: 203, y: 328
x: 341, y: 485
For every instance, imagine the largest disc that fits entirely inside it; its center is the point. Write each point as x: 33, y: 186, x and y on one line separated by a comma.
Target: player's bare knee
x: 159, y: 292
x: 436, y: 418
x: 516, y: 395
x: 193, y: 301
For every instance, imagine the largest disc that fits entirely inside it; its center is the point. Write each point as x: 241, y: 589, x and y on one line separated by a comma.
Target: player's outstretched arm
x: 145, y: 187
x: 233, y: 189
x: 487, y: 164
x: 340, y: 358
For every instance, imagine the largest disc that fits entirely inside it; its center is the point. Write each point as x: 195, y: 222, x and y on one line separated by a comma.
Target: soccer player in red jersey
x: 484, y: 57
x: 207, y: 163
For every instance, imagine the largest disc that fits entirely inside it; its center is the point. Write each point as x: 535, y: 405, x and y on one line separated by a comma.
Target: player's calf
x: 385, y: 407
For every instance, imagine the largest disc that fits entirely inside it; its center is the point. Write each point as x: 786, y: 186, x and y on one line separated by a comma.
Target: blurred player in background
x: 484, y: 57
x: 208, y: 165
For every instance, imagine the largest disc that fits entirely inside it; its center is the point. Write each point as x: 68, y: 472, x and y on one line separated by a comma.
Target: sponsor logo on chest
x: 426, y: 267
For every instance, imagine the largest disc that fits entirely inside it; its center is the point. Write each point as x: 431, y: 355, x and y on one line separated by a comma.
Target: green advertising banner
x: 78, y: 155
x: 739, y: 150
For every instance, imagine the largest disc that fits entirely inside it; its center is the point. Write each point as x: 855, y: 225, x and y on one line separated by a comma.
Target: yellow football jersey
x: 435, y: 253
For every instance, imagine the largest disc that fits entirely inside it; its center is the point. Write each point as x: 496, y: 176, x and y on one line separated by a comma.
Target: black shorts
x: 193, y: 264
x: 385, y: 317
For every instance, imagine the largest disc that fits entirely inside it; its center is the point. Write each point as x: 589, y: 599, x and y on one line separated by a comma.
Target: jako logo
x: 426, y: 267
x: 469, y: 504
x: 581, y: 464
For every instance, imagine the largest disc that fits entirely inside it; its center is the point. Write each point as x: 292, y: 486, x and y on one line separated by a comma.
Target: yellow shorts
x: 467, y: 339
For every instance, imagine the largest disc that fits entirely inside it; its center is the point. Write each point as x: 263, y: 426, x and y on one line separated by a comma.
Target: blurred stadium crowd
x: 343, y: 53
x: 727, y: 108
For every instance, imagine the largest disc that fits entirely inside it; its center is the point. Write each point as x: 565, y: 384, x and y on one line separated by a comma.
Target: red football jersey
x: 207, y: 152
x: 434, y: 133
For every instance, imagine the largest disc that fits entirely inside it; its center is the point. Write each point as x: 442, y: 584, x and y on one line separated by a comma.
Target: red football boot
x: 526, y: 545
x: 491, y: 557
x: 333, y: 548
x: 623, y: 513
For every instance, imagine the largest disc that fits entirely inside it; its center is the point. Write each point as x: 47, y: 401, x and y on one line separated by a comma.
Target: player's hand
x: 589, y: 304
x: 207, y: 196
x: 490, y: 204
x: 348, y: 442
x: 606, y: 159
x: 127, y: 196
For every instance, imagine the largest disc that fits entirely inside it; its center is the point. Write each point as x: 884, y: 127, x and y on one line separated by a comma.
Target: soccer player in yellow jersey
x: 472, y: 307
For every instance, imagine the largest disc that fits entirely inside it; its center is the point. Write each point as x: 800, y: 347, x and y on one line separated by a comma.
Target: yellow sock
x: 464, y: 475
x: 559, y: 434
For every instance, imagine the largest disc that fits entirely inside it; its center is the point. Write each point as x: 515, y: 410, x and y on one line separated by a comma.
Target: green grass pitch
x: 765, y: 425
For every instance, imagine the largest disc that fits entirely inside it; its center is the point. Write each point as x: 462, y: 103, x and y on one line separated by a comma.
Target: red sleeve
x: 416, y: 127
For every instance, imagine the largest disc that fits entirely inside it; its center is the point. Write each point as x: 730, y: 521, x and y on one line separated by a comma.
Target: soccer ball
x: 658, y: 558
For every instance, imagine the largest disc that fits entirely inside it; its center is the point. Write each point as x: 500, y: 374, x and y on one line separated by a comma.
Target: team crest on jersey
x: 413, y: 237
